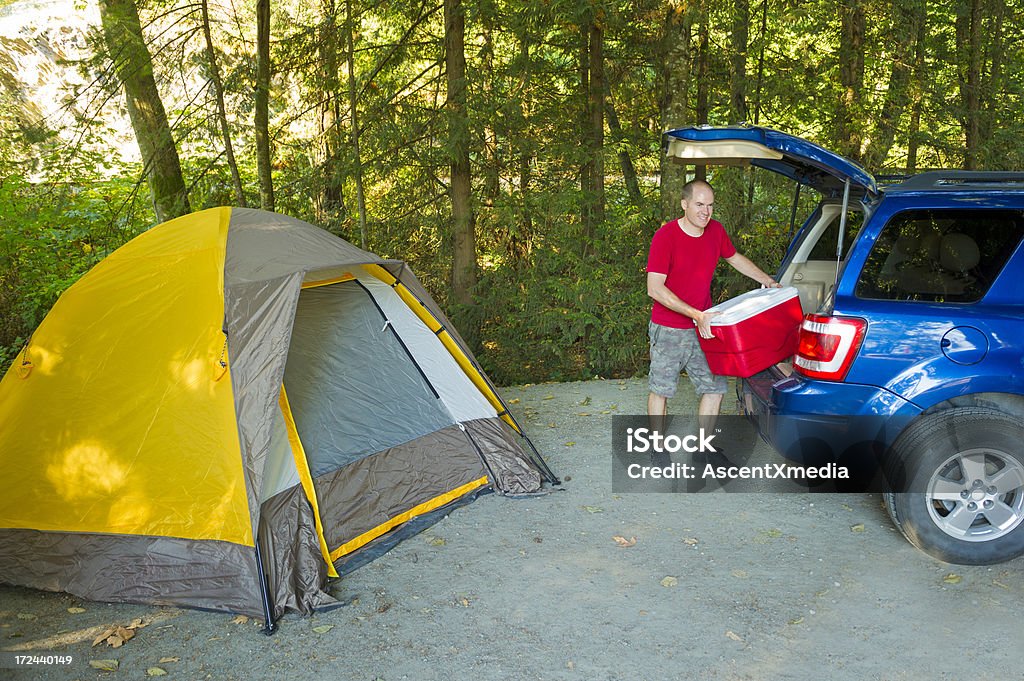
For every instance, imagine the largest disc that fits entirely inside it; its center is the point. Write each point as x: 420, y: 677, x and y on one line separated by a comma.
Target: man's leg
x: 708, y: 408
x: 657, y: 405
x: 710, y: 388
x: 666, y: 363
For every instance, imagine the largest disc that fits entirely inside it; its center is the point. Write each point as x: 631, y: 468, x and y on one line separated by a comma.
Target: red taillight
x: 828, y: 346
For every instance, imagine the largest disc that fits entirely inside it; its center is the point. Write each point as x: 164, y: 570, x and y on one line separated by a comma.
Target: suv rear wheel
x: 962, y: 476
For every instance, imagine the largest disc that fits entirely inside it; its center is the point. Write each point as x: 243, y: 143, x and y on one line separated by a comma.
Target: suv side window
x: 946, y: 255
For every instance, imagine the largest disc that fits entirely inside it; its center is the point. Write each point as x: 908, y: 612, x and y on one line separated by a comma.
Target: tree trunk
x: 122, y: 33
x: 738, y: 60
x: 703, y: 80
x: 464, y: 267
x: 595, y: 109
x: 851, y: 76
x: 491, y: 169
x: 330, y: 203
x: 521, y: 235
x: 906, y: 20
x: 262, y: 105
x: 222, y: 116
x: 917, y: 96
x: 758, y: 83
x: 991, y: 84
x: 587, y: 148
x: 759, y: 79
x: 628, y: 170
x: 736, y: 178
x: 353, y: 115
x: 673, y: 63
x: 968, y: 33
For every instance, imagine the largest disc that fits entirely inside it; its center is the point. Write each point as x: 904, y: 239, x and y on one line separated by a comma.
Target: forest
x: 510, y: 152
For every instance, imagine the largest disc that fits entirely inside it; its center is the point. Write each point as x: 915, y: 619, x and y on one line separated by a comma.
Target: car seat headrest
x: 958, y: 252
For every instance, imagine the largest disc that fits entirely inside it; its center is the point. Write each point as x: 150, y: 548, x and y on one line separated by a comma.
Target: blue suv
x: 910, y: 351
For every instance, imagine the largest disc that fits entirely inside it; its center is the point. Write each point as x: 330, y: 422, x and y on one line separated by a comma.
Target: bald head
x: 689, y: 187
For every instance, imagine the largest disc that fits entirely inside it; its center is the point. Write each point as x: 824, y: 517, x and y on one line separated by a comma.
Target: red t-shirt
x: 689, y: 262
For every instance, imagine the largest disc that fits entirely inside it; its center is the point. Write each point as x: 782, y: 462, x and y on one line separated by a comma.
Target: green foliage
x: 548, y: 305
x: 49, y: 236
x: 555, y: 314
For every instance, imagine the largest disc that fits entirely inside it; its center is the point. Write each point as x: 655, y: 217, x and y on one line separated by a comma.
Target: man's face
x: 699, y: 207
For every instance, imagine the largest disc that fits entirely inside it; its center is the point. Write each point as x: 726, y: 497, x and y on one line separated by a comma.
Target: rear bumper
x: 814, y: 422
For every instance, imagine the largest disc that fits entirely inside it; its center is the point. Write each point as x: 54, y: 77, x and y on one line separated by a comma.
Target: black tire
x: 960, y: 480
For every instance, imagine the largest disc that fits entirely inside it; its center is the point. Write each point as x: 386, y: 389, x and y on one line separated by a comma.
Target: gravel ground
x: 716, y: 586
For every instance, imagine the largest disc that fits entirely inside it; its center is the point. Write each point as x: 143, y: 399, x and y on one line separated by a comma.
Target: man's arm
x: 657, y: 290
x: 744, y: 266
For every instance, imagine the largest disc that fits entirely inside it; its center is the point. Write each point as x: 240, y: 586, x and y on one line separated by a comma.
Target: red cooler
x: 754, y: 331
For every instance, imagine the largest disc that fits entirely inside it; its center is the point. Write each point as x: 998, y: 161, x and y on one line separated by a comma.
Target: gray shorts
x: 673, y: 350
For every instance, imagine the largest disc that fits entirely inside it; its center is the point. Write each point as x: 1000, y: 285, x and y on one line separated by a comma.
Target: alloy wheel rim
x: 977, y: 495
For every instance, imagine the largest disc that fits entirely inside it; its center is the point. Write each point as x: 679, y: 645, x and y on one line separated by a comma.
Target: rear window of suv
x: 950, y: 256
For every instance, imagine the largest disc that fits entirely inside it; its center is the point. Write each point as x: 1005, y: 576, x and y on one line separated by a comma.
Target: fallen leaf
x: 1000, y: 584
x: 548, y: 397
x: 691, y: 541
x: 952, y: 578
x: 464, y: 602
x: 847, y: 507
x: 165, y: 660
x: 26, y: 616
x: 774, y: 533
x: 436, y: 541
x: 240, y: 619
x: 116, y: 636
x: 104, y: 665
x: 551, y: 425
x: 570, y: 444
x: 593, y: 509
x: 323, y: 628
x: 583, y: 413
x: 669, y: 581
x: 120, y: 637
x: 733, y: 636
x: 155, y: 671
x: 742, y: 574
x: 570, y: 665
x: 586, y: 401
x: 516, y: 400
x: 103, y: 637
x: 76, y: 611
x: 859, y: 527
x: 798, y: 620
x: 623, y: 542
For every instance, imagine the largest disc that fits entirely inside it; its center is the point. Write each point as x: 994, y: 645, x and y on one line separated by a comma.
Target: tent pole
x: 538, y: 459
x: 269, y: 625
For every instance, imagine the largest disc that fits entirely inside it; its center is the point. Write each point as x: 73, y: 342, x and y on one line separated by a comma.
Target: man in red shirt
x: 681, y: 264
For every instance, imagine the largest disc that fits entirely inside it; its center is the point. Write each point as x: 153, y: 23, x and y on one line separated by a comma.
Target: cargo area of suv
x: 913, y: 295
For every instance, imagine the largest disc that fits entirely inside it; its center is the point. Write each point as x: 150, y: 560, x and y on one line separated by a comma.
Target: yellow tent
x: 232, y: 407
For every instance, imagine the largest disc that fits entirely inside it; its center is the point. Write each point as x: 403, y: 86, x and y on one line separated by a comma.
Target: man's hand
x: 772, y: 284
x: 703, y: 322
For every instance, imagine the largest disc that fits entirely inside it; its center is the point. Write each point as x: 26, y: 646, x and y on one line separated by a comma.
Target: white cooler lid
x: 750, y: 304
